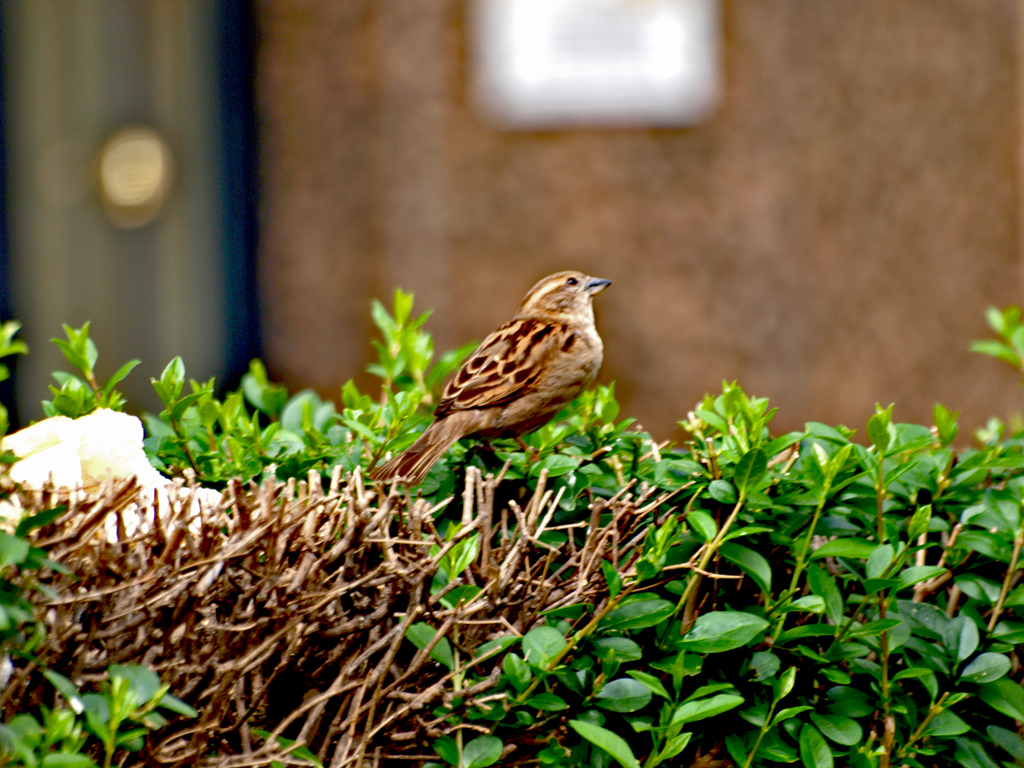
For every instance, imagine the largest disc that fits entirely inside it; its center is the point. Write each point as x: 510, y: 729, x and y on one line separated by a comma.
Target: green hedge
x: 820, y: 597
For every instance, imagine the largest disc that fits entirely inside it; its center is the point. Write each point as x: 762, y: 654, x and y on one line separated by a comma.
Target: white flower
x: 111, y: 443
x: 83, y: 453
x: 80, y: 452
x: 48, y: 451
x: 58, y: 464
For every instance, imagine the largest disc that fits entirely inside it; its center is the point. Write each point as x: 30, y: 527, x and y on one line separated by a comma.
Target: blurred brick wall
x: 830, y: 237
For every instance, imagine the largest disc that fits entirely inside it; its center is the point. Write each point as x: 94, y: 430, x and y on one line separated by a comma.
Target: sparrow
x: 518, y: 378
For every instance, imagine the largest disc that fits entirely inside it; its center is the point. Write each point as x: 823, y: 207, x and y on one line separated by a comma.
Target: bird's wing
x: 507, y: 362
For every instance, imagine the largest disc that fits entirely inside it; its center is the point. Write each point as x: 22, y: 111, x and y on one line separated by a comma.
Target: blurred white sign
x: 547, y: 63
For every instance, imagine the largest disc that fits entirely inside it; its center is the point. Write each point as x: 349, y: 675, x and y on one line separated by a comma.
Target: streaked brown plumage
x: 518, y: 378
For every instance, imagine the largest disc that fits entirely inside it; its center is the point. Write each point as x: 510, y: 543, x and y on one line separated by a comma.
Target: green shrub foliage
x: 818, y: 597
x: 806, y: 599
x: 823, y: 597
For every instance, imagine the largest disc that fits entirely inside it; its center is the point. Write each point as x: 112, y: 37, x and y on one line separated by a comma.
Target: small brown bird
x: 518, y: 378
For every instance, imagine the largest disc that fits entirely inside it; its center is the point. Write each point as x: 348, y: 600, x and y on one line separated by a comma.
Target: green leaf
x: 285, y: 743
x: 38, y: 520
x: 875, y: 628
x: 517, y: 670
x: 878, y: 429
x: 623, y: 695
x: 674, y: 746
x: 421, y: 634
x: 557, y: 464
x: 637, y: 615
x: 841, y: 730
x: 749, y: 470
x: 611, y: 578
x: 178, y: 706
x: 996, y: 320
x: 119, y: 375
x: 142, y: 680
x: 722, y: 491
x: 494, y: 646
x: 702, y: 523
x: 814, y: 751
x: 808, y: 603
x: 611, y: 743
x: 781, y: 443
x: 447, y: 749
x: 1005, y: 696
x: 719, y: 631
x: 750, y: 562
x: 67, y: 760
x: 764, y: 665
x: 701, y: 709
x: 986, y: 668
x: 788, y: 713
x: 879, y: 561
x: 542, y: 644
x: 1009, y: 741
x: 823, y: 584
x: 984, y: 543
x: 919, y: 522
x: 547, y: 702
x: 482, y: 751
x: 73, y: 355
x: 736, y: 748
x: 913, y: 672
x: 13, y: 550
x: 918, y: 573
x: 946, y: 724
x: 784, y: 685
x: 996, y: 349
x: 174, y: 374
x: 945, y: 424
x: 653, y: 683
x: 96, y: 724
x: 970, y: 754
x: 707, y: 690
x: 807, y: 630
x: 66, y: 689
x: 961, y: 638
x: 846, y: 547
x: 625, y: 649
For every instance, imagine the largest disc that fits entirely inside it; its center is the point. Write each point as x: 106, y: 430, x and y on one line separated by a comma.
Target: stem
x: 880, y: 496
x: 109, y: 745
x: 388, y: 437
x: 888, y: 736
x: 655, y: 746
x: 709, y: 447
x: 176, y: 426
x: 750, y: 757
x: 764, y: 729
x: 575, y: 639
x: 708, y: 551
x: 1018, y: 541
x: 801, y: 563
x: 457, y: 687
x: 933, y: 710
x: 897, y: 563
x: 884, y: 639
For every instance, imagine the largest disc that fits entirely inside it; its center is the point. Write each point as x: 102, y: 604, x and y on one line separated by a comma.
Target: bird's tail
x: 412, y: 464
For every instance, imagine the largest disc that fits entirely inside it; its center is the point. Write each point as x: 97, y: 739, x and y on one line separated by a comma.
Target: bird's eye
x: 571, y: 281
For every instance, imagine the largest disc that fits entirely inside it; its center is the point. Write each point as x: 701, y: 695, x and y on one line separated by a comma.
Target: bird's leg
x: 534, y: 455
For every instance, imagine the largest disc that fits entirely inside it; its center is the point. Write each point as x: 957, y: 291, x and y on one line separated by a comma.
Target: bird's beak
x: 596, y: 285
